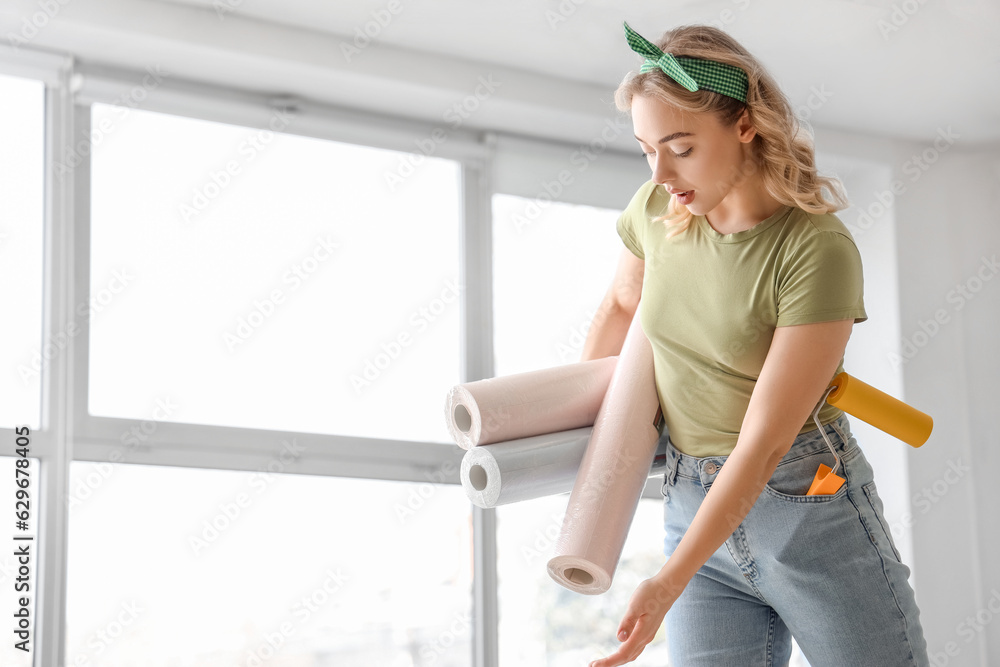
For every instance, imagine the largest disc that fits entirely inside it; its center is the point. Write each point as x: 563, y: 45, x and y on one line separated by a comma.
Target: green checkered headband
x: 692, y: 73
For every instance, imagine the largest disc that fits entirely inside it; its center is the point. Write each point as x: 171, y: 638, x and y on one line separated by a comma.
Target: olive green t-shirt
x: 710, y: 303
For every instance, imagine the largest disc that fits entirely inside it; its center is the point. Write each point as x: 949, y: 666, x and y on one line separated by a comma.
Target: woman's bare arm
x: 611, y: 322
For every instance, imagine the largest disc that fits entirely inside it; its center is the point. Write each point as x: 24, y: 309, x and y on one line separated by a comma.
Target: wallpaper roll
x: 612, y: 473
x: 516, y: 406
x: 880, y: 410
x: 542, y: 465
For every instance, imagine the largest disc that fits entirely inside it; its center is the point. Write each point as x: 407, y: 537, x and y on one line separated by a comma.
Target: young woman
x: 750, y: 286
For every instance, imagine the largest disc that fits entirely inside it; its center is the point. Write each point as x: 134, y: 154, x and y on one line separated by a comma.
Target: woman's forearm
x: 734, y: 491
x: 607, y: 332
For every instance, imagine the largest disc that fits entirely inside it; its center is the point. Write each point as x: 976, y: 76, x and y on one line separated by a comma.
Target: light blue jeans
x: 822, y: 569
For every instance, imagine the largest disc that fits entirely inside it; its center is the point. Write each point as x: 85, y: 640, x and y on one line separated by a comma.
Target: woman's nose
x: 662, y: 172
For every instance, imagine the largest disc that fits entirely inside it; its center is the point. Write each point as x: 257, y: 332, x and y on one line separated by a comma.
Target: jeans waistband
x: 809, y: 442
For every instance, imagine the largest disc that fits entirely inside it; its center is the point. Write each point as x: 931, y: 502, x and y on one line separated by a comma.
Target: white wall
x: 947, y: 235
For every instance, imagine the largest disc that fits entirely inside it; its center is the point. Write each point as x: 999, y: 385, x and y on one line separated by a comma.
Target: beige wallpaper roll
x: 542, y: 465
x: 612, y: 473
x: 521, y: 405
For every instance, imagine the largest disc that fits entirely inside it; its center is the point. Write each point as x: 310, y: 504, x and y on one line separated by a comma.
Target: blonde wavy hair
x: 782, y: 150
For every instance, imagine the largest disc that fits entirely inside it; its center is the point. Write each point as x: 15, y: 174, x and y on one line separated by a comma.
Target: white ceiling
x: 900, y: 68
x: 904, y: 69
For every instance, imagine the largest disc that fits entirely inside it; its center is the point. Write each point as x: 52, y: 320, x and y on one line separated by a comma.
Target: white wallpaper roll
x: 612, y: 473
x: 542, y: 465
x: 516, y: 406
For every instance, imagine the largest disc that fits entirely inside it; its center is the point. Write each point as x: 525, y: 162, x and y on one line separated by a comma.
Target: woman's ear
x: 745, y: 131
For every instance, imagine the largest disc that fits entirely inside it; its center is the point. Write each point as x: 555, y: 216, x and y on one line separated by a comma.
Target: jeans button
x: 711, y: 468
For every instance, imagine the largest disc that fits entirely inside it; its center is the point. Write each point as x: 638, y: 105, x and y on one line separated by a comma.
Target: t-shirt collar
x: 738, y: 237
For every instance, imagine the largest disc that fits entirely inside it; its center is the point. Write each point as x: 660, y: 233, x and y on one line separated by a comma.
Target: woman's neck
x: 744, y: 207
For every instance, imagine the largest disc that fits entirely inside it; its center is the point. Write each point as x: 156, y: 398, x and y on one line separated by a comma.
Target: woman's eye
x: 684, y: 154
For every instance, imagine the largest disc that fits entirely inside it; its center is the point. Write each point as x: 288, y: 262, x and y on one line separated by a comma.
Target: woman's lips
x: 683, y: 196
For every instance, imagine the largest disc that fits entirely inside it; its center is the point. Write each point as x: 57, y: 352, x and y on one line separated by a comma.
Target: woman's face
x: 692, y: 155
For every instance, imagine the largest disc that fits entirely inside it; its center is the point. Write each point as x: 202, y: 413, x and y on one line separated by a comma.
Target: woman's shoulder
x: 804, y: 225
x: 816, y: 237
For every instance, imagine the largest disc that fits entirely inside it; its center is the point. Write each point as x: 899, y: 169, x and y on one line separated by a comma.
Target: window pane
x: 269, y: 280
x: 12, y: 579
x: 177, y: 566
x: 553, y: 263
x: 544, y: 624
x: 22, y: 153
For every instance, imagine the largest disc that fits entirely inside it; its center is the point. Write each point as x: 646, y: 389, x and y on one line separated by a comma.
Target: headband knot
x: 692, y: 73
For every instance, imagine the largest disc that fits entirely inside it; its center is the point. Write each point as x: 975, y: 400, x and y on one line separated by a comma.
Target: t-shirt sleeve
x: 632, y: 222
x: 822, y: 281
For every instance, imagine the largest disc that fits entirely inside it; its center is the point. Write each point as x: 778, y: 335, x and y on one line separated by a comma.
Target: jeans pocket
x: 793, y: 477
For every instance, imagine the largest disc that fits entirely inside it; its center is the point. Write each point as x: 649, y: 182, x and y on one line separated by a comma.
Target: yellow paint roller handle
x: 880, y: 410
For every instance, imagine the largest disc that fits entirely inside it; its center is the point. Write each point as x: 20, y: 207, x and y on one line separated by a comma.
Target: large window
x: 23, y: 353
x: 266, y: 280
x: 172, y: 566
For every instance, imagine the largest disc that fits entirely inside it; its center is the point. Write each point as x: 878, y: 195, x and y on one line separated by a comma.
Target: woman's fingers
x: 625, y: 627
x: 632, y: 647
x: 643, y: 615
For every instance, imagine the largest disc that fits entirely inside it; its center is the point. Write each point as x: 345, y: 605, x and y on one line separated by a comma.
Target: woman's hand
x: 648, y: 605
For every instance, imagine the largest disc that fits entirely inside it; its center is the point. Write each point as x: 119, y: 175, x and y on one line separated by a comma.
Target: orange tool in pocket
x: 875, y: 407
x: 827, y: 481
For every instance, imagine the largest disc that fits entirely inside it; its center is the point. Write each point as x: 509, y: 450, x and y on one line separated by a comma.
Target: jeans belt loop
x: 671, y: 475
